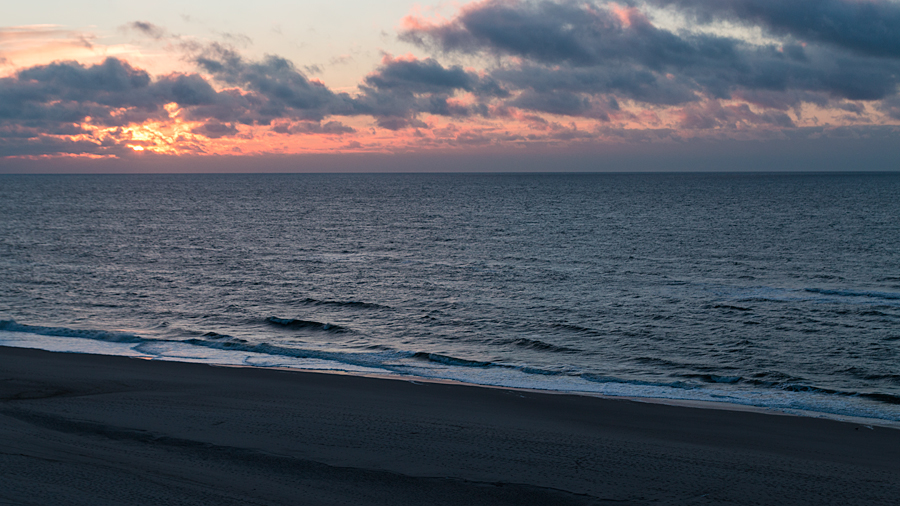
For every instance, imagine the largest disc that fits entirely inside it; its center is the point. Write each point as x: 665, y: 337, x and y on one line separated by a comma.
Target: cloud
x: 554, y: 33
x: 81, y: 105
x: 869, y: 27
x: 147, y: 29
x: 401, y: 88
x: 399, y: 123
x: 237, y: 39
x: 23, y: 46
x: 891, y: 107
x: 420, y: 76
x: 215, y: 130
x: 313, y: 128
x: 86, y: 101
x: 340, y: 60
x: 313, y: 68
x: 42, y: 146
x: 562, y: 56
x: 715, y: 115
x: 280, y: 90
x: 624, y: 81
x: 566, y: 104
x: 111, y: 93
x: 500, y: 71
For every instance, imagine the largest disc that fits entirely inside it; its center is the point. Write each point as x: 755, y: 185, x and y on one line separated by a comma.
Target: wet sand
x: 94, y: 430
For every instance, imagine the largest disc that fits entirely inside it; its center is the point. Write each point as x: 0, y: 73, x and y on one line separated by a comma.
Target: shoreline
x: 99, y: 429
x: 695, y: 403
x: 663, y: 401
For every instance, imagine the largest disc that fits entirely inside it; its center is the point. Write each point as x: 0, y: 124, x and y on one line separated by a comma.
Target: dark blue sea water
x: 779, y: 291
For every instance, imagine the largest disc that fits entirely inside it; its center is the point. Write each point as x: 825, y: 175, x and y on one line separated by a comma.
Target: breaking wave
x: 97, y: 335
x: 304, y: 324
x: 341, y: 303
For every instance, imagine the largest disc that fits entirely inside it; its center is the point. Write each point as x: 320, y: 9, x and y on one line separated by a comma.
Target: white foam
x: 185, y: 352
x: 803, y: 403
x: 66, y: 344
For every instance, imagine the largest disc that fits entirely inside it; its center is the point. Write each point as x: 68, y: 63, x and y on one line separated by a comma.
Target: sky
x: 493, y: 85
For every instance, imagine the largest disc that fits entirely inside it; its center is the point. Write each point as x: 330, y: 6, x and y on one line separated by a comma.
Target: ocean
x: 779, y: 291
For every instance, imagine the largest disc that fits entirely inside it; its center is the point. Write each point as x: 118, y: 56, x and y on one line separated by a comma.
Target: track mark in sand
x: 310, y: 474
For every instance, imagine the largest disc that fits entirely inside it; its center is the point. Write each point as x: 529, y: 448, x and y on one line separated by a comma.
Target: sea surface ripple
x: 773, y: 290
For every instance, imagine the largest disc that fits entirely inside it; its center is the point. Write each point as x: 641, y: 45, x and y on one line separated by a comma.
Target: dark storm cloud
x: 867, y: 26
x: 563, y: 49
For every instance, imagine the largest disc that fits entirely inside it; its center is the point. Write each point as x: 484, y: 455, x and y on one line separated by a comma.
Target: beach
x: 92, y: 429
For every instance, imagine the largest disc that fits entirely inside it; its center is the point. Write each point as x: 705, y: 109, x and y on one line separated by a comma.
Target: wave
x: 348, y: 358
x: 735, y: 308
x: 341, y: 303
x: 774, y: 294
x: 876, y: 396
x: 655, y: 361
x: 864, y: 374
x: 874, y: 312
x: 365, y: 359
x: 854, y: 293
x: 383, y: 360
x: 709, y: 387
x: 886, y: 398
x: 216, y: 335
x: 97, y: 335
x: 714, y: 378
x: 448, y: 360
x: 575, y: 328
x: 534, y: 344
x: 305, y: 324
x: 600, y: 378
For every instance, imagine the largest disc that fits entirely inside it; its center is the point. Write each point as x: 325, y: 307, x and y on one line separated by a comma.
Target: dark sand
x: 94, y: 430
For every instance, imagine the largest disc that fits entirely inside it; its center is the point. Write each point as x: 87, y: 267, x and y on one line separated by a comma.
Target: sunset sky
x: 492, y: 85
